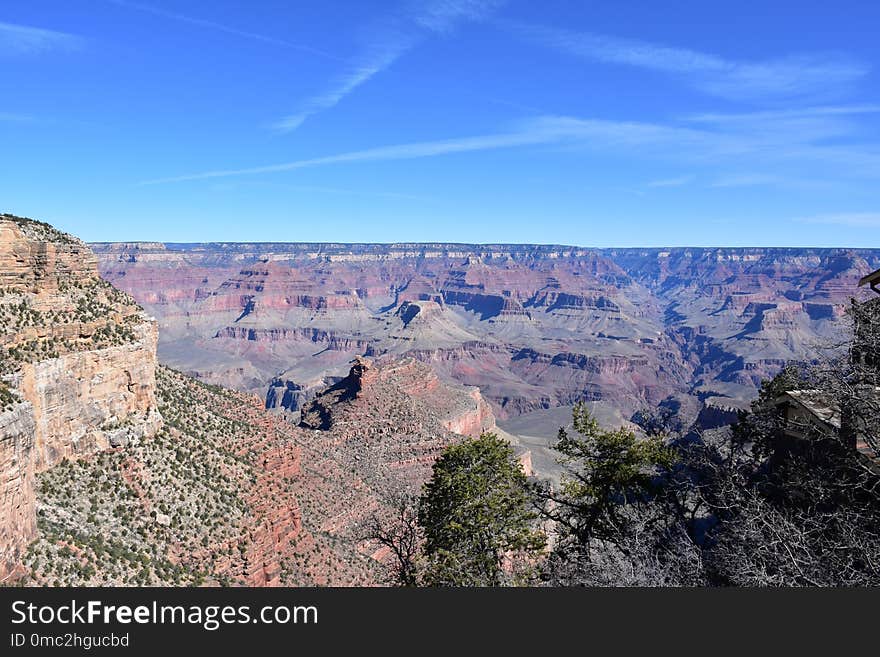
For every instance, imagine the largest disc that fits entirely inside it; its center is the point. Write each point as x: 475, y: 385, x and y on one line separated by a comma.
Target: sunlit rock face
x: 78, y: 367
x: 533, y: 326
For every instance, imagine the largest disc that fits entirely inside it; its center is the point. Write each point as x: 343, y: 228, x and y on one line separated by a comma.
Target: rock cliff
x: 17, y: 514
x: 77, y: 361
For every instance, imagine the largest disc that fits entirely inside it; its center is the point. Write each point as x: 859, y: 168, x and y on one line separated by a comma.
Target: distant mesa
x: 530, y: 325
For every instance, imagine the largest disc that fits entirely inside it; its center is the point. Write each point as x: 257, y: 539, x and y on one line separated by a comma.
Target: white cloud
x: 220, y: 27
x: 397, y: 152
x: 26, y: 40
x: 547, y: 130
x: 777, y: 115
x: 387, y: 45
x: 854, y: 219
x: 791, y: 155
x: 443, y: 15
x: 809, y: 124
x: 798, y: 76
x: 375, y: 60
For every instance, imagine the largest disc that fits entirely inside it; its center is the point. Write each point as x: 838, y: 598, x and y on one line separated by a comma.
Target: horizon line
x: 471, y: 244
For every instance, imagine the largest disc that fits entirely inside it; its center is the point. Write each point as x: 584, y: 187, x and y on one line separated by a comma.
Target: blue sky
x: 594, y: 123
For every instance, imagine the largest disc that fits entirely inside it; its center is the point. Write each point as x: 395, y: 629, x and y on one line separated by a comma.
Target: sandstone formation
x: 17, y: 513
x: 208, y: 500
x: 533, y: 326
x: 77, y: 360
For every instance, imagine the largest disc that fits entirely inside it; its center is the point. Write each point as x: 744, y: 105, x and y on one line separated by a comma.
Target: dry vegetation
x: 83, y: 316
x: 166, y: 511
x: 40, y: 231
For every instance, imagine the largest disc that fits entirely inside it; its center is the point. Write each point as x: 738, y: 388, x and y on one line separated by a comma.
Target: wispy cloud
x: 15, y: 118
x: 779, y: 115
x: 807, y: 124
x: 854, y: 219
x: 26, y: 40
x: 397, y: 152
x: 547, y: 130
x: 220, y: 27
x: 745, y: 180
x: 374, y: 60
x: 320, y: 189
x: 815, y: 75
x: 386, y: 45
x: 671, y: 182
x: 443, y: 15
x: 791, y: 154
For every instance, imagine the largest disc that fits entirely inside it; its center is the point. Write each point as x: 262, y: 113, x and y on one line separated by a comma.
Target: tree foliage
x: 477, y: 517
x: 609, y: 470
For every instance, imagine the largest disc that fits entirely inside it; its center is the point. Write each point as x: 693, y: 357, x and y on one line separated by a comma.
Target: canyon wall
x: 18, y: 523
x: 78, y: 367
x: 533, y: 326
x: 87, y: 401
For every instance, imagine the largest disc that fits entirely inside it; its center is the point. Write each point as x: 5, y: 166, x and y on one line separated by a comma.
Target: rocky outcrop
x: 87, y: 401
x: 292, y: 396
x: 17, y: 515
x: 472, y: 421
x: 35, y: 257
x: 717, y: 412
x: 81, y: 357
x: 457, y: 409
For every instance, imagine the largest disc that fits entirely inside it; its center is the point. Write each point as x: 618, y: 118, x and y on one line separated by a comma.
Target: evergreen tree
x: 477, y: 516
x: 609, y: 469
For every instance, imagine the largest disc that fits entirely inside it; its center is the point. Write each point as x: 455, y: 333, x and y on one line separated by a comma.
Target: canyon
x: 115, y: 470
x: 227, y: 493
x: 534, y: 327
x: 313, y: 386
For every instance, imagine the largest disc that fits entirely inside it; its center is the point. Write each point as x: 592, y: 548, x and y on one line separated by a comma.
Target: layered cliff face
x: 534, y: 327
x: 286, y: 316
x: 17, y: 512
x: 208, y: 499
x: 77, y: 361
